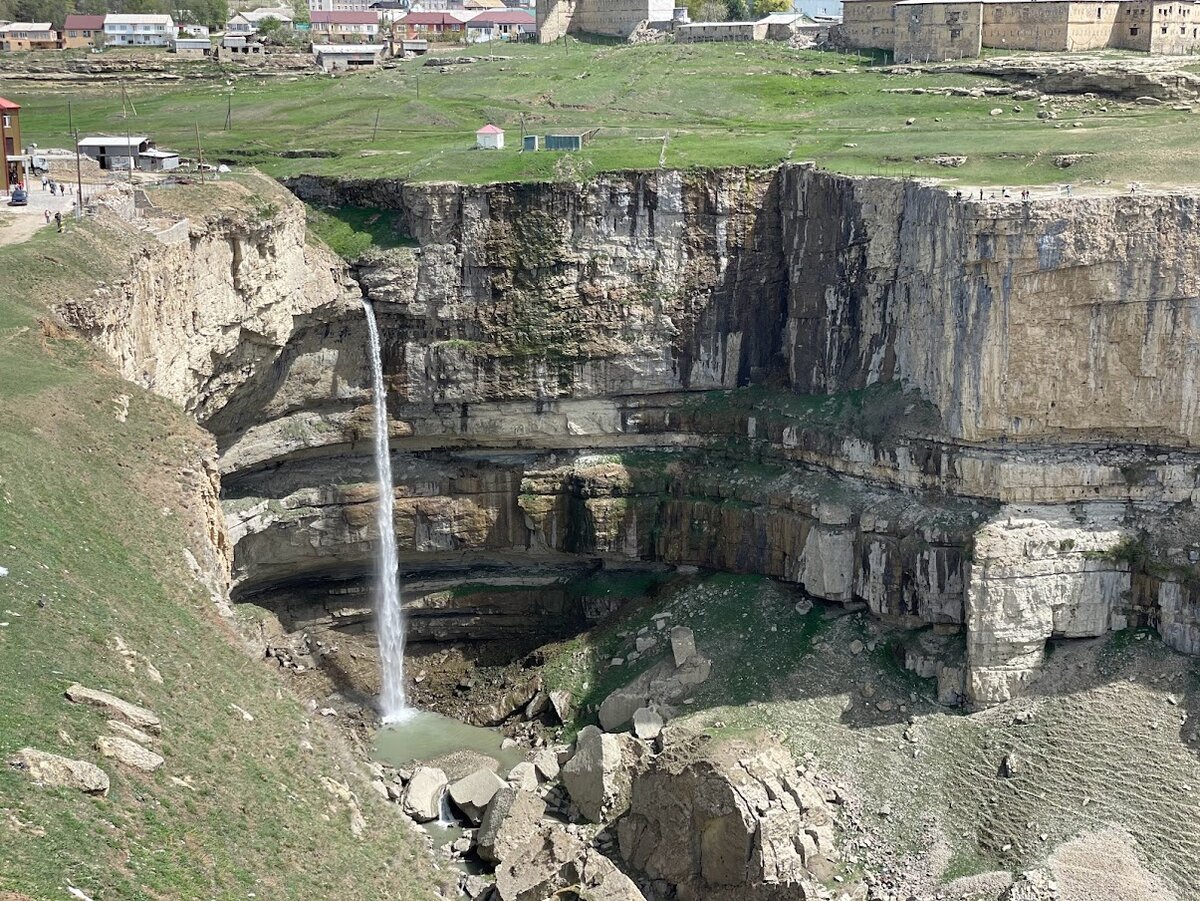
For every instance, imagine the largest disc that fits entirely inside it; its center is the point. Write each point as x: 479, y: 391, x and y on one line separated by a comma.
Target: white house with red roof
x: 489, y: 138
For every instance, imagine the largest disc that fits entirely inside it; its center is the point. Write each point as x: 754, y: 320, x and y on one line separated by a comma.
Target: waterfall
x: 389, y: 615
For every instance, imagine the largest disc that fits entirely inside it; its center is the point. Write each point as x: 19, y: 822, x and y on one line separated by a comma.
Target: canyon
x: 972, y: 416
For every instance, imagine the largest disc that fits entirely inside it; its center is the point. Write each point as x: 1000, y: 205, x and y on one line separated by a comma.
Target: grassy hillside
x: 93, y: 526
x: 755, y: 104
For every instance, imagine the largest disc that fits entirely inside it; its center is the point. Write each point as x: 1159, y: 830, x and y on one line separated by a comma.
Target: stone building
x: 719, y: 32
x: 935, y: 29
x: 918, y: 30
x: 613, y: 18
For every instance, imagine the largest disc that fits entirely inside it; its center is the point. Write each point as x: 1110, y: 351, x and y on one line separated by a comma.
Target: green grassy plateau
x: 713, y: 104
x: 93, y: 526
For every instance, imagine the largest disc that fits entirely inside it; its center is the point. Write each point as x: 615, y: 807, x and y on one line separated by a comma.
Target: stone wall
x: 866, y: 24
x: 611, y: 18
x: 720, y: 32
x: 937, y: 31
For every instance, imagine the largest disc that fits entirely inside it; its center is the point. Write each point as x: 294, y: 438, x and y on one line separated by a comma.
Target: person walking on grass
x: 58, y: 220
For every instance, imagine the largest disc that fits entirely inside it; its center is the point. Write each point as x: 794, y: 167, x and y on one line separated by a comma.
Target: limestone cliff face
x: 1056, y: 320
x: 211, y: 303
x: 941, y: 407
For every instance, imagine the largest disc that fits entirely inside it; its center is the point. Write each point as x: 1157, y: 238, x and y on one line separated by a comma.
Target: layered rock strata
x: 841, y: 382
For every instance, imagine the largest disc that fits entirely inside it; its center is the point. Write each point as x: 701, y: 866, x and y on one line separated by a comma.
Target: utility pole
x: 78, y: 181
x: 129, y: 150
x: 375, y: 132
x: 71, y: 123
x: 229, y: 110
x: 199, y: 154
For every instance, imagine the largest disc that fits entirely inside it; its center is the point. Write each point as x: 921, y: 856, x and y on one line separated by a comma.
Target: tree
x: 708, y: 11
x: 269, y: 26
x: 736, y: 11
x: 766, y: 7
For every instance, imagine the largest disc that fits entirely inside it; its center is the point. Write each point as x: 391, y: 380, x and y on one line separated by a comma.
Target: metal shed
x: 569, y: 140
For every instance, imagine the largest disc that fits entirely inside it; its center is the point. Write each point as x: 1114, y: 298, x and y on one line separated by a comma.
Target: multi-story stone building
x: 920, y: 30
x: 614, y: 18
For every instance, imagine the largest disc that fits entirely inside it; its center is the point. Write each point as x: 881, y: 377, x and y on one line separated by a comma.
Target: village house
x: 343, y: 57
x: 927, y: 30
x: 501, y: 25
x: 19, y: 36
x: 247, y: 22
x: 240, y: 49
x: 342, y: 6
x: 440, y: 26
x: 12, y: 162
x: 118, y: 152
x: 343, y: 27
x: 139, y: 29
x: 80, y: 32
x: 191, y: 48
x: 194, y: 31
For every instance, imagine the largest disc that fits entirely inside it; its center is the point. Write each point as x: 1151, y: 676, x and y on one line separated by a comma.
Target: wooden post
x: 199, y: 153
x: 375, y: 132
x: 78, y: 181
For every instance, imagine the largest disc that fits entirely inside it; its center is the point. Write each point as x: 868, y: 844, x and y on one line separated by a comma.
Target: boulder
x: 126, y: 731
x: 423, y: 796
x: 54, y: 771
x: 129, y: 753
x: 472, y: 793
x: 546, y: 763
x: 599, y: 773
x: 551, y: 861
x: 524, y: 776
x: 647, y: 723
x: 683, y: 645
x: 661, y: 686
x: 728, y: 820
x: 561, y: 703
x: 139, y: 717
x: 511, y: 818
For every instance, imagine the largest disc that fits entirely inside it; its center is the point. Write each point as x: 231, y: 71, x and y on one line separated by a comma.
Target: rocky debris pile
x: 647, y: 33
x: 134, y: 729
x: 729, y: 820
x: 660, y: 687
x: 612, y: 818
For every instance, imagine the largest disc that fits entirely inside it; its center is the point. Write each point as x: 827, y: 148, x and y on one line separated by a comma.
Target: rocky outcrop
x: 54, y: 771
x: 729, y: 820
x: 1041, y: 572
x: 138, y: 717
x: 196, y: 318
x: 553, y: 861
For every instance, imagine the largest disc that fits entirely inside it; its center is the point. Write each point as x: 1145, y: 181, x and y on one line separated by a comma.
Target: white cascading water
x: 389, y: 615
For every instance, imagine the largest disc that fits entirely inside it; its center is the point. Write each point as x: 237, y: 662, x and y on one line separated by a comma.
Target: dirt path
x: 20, y: 223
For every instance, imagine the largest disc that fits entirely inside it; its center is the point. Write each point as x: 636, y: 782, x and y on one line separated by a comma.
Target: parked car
x: 20, y: 197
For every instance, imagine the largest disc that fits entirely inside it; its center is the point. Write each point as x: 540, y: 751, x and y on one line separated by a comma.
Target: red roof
x: 504, y: 17
x: 430, y: 19
x: 490, y: 129
x: 84, y: 23
x: 8, y: 104
x: 344, y: 18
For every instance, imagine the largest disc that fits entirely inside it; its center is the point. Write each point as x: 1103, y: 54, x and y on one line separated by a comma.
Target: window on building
x: 955, y: 33
x: 1133, y: 30
x: 1099, y: 12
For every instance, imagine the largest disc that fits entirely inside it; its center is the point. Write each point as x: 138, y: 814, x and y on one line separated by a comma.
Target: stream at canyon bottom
x: 425, y: 736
